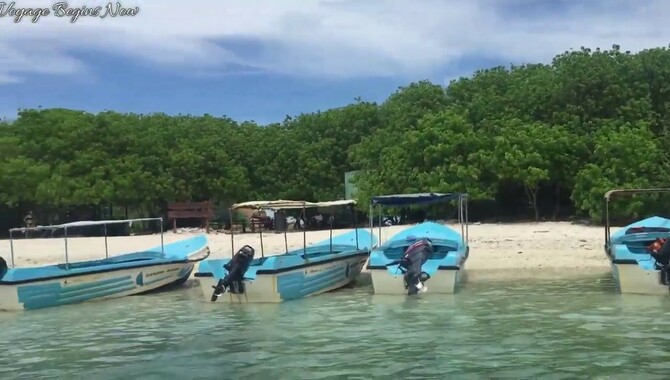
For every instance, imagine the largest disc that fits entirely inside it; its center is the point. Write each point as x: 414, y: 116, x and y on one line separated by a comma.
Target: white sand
x: 519, y: 250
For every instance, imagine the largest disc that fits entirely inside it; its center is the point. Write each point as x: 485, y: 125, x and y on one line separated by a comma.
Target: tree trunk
x: 557, y: 209
x: 531, y: 193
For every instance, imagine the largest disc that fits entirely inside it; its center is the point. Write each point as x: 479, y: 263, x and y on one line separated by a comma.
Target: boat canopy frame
x: 282, y: 204
x: 83, y: 223
x: 416, y: 199
x: 629, y: 192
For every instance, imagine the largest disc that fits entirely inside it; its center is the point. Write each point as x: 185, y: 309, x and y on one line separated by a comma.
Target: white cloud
x: 337, y: 38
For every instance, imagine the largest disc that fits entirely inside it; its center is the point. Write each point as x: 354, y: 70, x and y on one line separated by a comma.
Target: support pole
x: 260, y: 228
x: 67, y: 261
x: 304, y: 231
x: 372, y: 219
x: 607, y: 221
x: 467, y: 220
x: 162, y: 239
x: 104, y: 228
x: 11, y: 248
x: 330, y: 218
x: 232, y: 239
x: 379, y: 235
x: 353, y: 209
x: 460, y: 217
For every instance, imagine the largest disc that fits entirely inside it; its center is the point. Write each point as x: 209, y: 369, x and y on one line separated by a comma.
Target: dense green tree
x: 533, y: 154
x: 553, y: 136
x: 625, y: 156
x: 442, y: 154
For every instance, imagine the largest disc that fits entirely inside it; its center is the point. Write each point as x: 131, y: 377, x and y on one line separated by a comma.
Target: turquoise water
x: 559, y: 329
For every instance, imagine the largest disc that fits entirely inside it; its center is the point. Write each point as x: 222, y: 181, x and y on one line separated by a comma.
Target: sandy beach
x: 513, y: 250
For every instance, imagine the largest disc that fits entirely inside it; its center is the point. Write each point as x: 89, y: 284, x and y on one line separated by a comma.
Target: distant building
x: 349, y: 187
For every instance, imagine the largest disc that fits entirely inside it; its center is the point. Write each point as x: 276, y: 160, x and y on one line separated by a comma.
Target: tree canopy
x: 536, y: 140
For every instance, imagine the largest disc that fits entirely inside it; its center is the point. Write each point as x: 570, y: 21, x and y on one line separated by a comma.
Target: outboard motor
x: 3, y: 267
x: 660, y: 251
x: 236, y: 267
x: 411, y: 265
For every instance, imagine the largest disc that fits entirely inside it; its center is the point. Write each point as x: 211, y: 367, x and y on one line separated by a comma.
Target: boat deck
x: 629, y: 245
x: 450, y: 253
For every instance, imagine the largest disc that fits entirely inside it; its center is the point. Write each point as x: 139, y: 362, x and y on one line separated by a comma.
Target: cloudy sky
x: 261, y: 60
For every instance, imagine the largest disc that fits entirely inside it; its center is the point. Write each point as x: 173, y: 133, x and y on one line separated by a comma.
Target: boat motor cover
x: 3, y: 267
x: 660, y: 251
x: 422, y: 246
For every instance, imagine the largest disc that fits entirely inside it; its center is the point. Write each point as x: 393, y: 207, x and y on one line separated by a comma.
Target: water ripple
x: 550, y: 329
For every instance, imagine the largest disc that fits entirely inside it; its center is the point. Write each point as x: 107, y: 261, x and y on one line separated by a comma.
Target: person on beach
x: 28, y: 220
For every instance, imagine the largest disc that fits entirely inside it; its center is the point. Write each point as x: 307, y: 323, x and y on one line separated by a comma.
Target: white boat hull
x: 91, y: 287
x: 304, y: 282
x: 441, y: 282
x: 632, y: 279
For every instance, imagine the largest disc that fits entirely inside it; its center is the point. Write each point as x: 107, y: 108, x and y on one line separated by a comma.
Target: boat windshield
x: 641, y: 230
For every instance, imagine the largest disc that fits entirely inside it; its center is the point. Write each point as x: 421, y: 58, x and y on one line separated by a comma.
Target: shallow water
x: 558, y: 329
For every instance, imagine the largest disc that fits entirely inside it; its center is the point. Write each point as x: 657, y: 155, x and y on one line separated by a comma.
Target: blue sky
x: 263, y: 60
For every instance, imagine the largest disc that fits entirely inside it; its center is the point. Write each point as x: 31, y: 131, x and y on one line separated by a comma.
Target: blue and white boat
x: 634, y: 268
x: 318, y: 268
x: 111, y: 277
x: 441, y: 268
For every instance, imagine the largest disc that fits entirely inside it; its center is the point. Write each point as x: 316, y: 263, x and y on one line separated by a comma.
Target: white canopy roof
x: 82, y: 223
x: 287, y: 204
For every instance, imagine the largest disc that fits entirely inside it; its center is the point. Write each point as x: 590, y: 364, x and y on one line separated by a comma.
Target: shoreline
x: 497, y: 250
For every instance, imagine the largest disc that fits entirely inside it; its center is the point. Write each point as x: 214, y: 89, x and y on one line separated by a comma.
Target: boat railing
x: 71, y: 225
x: 295, y: 205
x: 621, y: 192
x: 399, y: 200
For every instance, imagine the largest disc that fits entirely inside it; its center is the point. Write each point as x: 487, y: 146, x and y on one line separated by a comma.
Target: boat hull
x: 92, y: 287
x: 446, y: 269
x: 441, y: 282
x: 290, y: 283
x: 632, y: 265
x: 633, y: 279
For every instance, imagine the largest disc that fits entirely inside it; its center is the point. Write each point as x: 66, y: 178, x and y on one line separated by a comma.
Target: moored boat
x: 426, y: 255
x: 313, y: 269
x: 639, y: 253
x: 112, y: 277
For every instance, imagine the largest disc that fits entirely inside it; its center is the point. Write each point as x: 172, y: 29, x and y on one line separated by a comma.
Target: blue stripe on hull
x: 39, y: 296
x: 297, y: 285
x: 155, y: 280
x: 55, y: 293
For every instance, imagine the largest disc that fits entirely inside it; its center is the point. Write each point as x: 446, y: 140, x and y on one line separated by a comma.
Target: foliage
x: 625, y: 156
x: 550, y: 136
